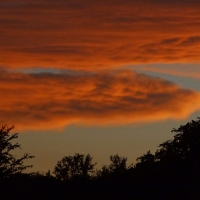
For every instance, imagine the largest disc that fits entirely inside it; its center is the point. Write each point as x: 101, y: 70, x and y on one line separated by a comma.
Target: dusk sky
x: 98, y: 77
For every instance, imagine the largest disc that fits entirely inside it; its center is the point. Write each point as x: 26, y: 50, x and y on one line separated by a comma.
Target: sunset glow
x: 103, y: 64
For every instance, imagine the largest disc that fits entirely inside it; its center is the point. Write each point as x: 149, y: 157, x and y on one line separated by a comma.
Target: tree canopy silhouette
x: 9, y: 164
x: 184, y: 147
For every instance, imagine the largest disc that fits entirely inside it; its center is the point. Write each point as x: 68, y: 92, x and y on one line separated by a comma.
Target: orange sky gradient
x: 108, y: 76
x: 93, y: 39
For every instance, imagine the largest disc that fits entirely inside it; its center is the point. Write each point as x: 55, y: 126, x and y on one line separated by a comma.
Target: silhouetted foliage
x: 184, y: 147
x: 146, y: 159
x: 175, y: 164
x: 117, y: 166
x: 103, y: 172
x: 72, y: 167
x: 118, y: 163
x: 171, y: 173
x: 9, y: 164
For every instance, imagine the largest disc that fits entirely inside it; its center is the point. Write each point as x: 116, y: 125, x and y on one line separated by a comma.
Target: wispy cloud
x: 92, y: 35
x: 44, y: 101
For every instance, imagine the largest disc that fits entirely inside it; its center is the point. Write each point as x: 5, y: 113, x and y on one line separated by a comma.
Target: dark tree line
x: 172, y: 172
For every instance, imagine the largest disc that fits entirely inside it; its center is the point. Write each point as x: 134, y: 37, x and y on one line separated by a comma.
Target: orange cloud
x: 91, y: 35
x: 45, y: 101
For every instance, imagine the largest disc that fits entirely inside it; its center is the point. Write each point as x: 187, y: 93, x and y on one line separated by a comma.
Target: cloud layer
x: 91, y: 35
x: 94, y: 37
x: 44, y: 101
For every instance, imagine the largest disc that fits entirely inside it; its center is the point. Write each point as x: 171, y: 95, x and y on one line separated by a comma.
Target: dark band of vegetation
x: 172, y: 172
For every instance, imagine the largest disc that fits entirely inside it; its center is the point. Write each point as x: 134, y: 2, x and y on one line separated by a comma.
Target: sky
x: 98, y: 77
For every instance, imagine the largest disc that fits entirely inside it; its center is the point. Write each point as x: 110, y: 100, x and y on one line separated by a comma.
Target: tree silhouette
x: 72, y: 167
x: 175, y: 164
x: 184, y: 147
x: 117, y: 166
x: 118, y: 163
x: 9, y: 164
